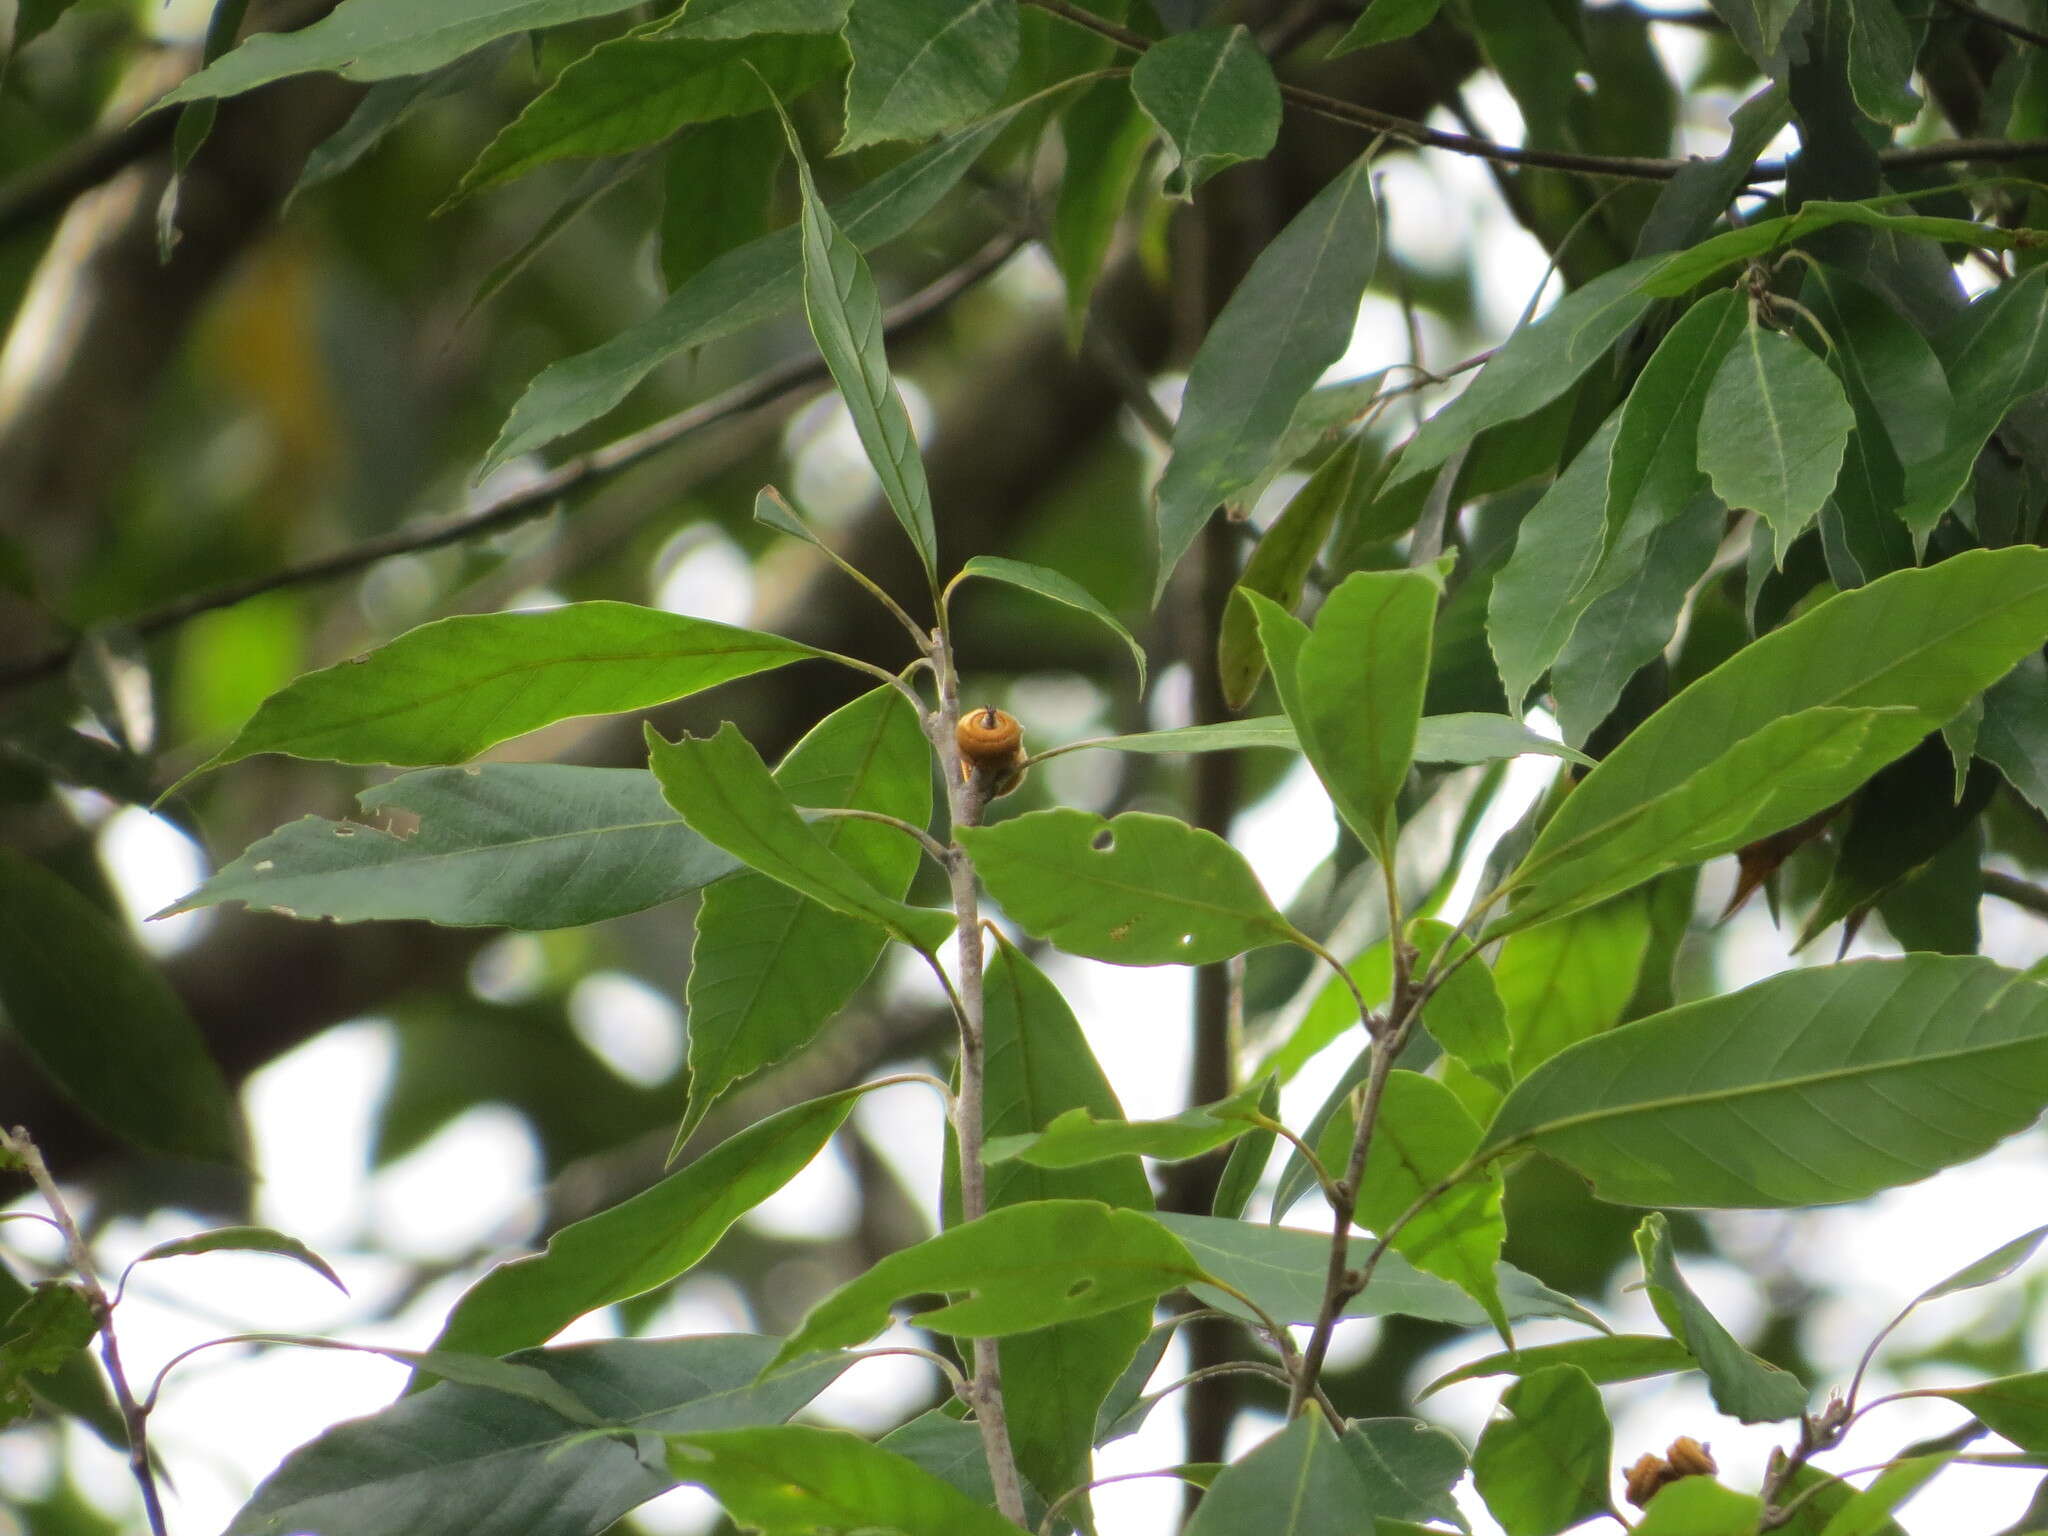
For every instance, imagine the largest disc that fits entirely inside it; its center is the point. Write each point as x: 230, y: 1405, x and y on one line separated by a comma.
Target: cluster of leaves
x: 1810, y: 378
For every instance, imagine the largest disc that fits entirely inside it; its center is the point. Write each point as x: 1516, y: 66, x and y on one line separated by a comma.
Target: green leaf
x: 1535, y: 365
x: 845, y: 313
x: 1465, y: 1014
x: 1106, y: 138
x: 1409, y: 1466
x: 384, y: 108
x: 512, y: 845
x: 1881, y: 57
x: 379, y: 40
x: 39, y: 1338
x: 756, y: 282
x: 635, y: 91
x: 1279, y: 567
x: 2013, y: 1406
x: 1213, y: 95
x: 1924, y: 640
x: 443, y: 692
x: 1387, y: 21
x: 244, y: 1240
x: 723, y: 790
x: 1423, y: 1135
x: 771, y: 967
x: 1542, y: 1466
x: 1245, y: 1168
x: 76, y: 1386
x: 1017, y: 1269
x: 1699, y: 1506
x: 1038, y: 1066
x: 1078, y: 1137
x: 1993, y: 1267
x: 644, y: 1241
x: 1869, y: 1513
x: 1298, y: 1482
x: 1283, y: 1269
x: 1287, y: 321
x: 1810, y: 1087
x: 2014, y: 733
x: 1137, y: 890
x: 99, y: 1018
x: 1566, y: 981
x: 479, y: 1463
x: 749, y: 18
x: 1483, y: 738
x: 950, y: 1449
x: 32, y: 18
x: 1773, y: 432
x: 923, y: 66
x: 796, y: 1477
x: 1692, y: 202
x: 1354, y: 691
x: 1743, y: 1387
x: 717, y: 184
x: 1047, y: 582
x: 1604, y: 1359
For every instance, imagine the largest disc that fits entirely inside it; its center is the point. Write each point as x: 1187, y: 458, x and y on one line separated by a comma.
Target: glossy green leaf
x: 1422, y: 1136
x: 1078, y: 1137
x: 1535, y: 365
x: 1014, y: 1270
x: 1566, y: 981
x: 1137, y: 890
x: 1773, y: 431
x: 1605, y: 1358
x: 723, y: 790
x: 443, y: 692
x: 1298, y: 1482
x: 1286, y: 322
x: 1106, y: 138
x: 480, y: 1463
x: 1699, y: 1506
x: 756, y: 282
x: 1213, y: 95
x: 1924, y: 640
x: 2014, y: 1406
x: 1049, y: 583
x: 1038, y: 1066
x: 244, y: 1240
x: 923, y: 66
x: 845, y: 312
x: 1542, y: 1466
x: 1283, y: 1269
x: 644, y: 1241
x: 798, y: 1477
x: 1809, y: 1087
x: 1387, y: 21
x: 1464, y: 1014
x: 1743, y: 1387
x: 1409, y: 1466
x: 100, y: 1019
x: 635, y: 91
x: 513, y: 845
x: 770, y: 967
x: 379, y: 40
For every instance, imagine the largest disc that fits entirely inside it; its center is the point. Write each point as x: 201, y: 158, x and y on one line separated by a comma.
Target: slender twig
x: 134, y: 1415
x: 1308, y: 1153
x: 930, y: 844
x: 2021, y: 893
x: 1062, y: 1501
x: 946, y: 1367
x: 541, y: 495
x: 2009, y: 28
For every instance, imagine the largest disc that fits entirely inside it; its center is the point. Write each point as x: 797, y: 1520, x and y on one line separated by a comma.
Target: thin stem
x: 2009, y: 28
x: 1365, y: 1013
x: 860, y: 577
x: 1060, y: 1503
x: 947, y: 1367
x: 895, y: 680
x: 2021, y: 893
x: 1308, y: 1153
x: 133, y: 1414
x: 930, y: 844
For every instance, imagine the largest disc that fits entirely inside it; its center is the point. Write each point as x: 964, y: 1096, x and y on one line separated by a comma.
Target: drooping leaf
x: 723, y: 790
x: 480, y: 1463
x: 1566, y: 981
x: 770, y: 967
x: 1773, y: 432
x: 1137, y: 890
x: 717, y: 182
x: 1213, y: 95
x: 102, y: 1021
x: 1809, y: 1087
x: 1106, y: 137
x: 443, y: 692
x: 1014, y: 1270
x: 1387, y: 21
x: 1542, y: 1466
x: 644, y: 1241
x: 923, y: 66
x: 756, y: 282
x: 1409, y: 1466
x: 386, y: 107
x: 1605, y: 1358
x: 511, y: 845
x: 1743, y: 1387
x: 1077, y: 1137
x: 2014, y: 1406
x: 798, y: 1477
x: 1049, y: 583
x: 244, y: 1240
x: 1298, y: 1482
x: 1286, y: 322
x: 380, y: 40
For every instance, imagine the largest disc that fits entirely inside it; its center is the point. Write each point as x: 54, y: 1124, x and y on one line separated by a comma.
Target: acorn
x: 1685, y: 1457
x: 991, y: 746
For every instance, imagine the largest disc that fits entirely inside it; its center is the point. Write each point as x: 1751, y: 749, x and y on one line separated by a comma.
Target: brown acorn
x: 1685, y: 1457
x: 991, y: 746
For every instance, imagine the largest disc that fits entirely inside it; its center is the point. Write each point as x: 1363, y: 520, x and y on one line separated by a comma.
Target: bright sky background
x: 229, y: 1416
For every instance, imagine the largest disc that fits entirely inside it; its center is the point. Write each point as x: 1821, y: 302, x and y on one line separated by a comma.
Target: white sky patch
x: 633, y: 1028
x: 472, y: 1183
x: 151, y: 864
x: 820, y: 1203
x: 702, y: 573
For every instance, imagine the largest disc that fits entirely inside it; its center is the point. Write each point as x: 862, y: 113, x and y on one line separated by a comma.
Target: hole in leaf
x: 1103, y: 841
x: 1080, y: 1288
